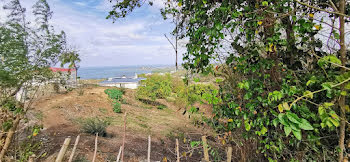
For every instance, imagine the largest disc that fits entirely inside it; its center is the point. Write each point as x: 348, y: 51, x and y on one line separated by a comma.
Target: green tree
x: 26, y: 53
x: 71, y: 58
x: 285, y: 68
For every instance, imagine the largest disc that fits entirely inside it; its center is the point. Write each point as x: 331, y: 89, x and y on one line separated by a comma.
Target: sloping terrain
x: 61, y: 115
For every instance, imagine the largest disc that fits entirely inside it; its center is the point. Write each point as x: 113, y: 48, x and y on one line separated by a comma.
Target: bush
x: 117, y: 107
x: 94, y: 125
x: 116, y: 95
x: 156, y: 86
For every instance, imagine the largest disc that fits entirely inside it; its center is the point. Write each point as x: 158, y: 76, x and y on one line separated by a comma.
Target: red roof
x: 53, y: 69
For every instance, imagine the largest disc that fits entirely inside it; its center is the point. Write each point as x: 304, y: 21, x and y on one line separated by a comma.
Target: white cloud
x: 137, y: 39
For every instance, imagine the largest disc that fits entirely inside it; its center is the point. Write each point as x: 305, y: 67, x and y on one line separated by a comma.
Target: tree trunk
x: 342, y: 98
x: 9, y: 137
x: 76, y: 75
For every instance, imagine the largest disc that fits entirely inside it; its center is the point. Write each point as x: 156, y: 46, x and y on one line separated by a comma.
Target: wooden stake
x: 63, y: 150
x: 205, y: 149
x: 177, y: 151
x: 95, y: 153
x: 229, y: 154
x: 74, y: 148
x: 124, y: 137
x: 120, y: 152
x: 149, y: 149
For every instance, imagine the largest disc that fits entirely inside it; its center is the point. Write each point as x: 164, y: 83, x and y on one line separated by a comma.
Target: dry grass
x: 60, y: 113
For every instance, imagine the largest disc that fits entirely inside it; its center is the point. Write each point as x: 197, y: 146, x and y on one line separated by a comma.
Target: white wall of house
x: 132, y: 85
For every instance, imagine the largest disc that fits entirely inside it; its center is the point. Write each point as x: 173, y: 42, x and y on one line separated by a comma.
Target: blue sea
x: 118, y: 71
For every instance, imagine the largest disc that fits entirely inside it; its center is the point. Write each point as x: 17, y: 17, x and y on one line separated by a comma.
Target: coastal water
x: 106, y: 72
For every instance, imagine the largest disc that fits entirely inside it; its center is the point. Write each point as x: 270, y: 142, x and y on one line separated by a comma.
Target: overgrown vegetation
x: 285, y: 69
x: 116, y: 96
x: 165, y: 87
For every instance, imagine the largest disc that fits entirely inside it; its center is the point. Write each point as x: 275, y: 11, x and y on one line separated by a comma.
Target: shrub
x: 94, y: 125
x: 116, y: 95
x: 156, y: 86
x: 117, y: 107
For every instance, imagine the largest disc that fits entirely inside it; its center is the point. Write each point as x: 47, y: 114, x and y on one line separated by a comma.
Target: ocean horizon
x: 116, y: 71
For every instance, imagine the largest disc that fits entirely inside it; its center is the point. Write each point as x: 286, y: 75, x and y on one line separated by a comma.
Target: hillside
x: 62, y: 114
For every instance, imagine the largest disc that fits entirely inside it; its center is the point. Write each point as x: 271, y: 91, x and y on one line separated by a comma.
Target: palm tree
x: 71, y: 58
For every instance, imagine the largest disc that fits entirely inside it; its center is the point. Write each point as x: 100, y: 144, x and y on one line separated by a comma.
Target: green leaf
x: 265, y: 3
x: 280, y: 108
x: 286, y: 106
x: 347, y: 86
x: 305, y: 125
x: 275, y: 122
x: 263, y: 130
x: 287, y: 130
x: 343, y: 93
x: 282, y: 120
x: 328, y: 59
x: 293, y: 117
x: 327, y: 85
x: 335, y: 122
x: 196, y: 79
x: 218, y: 80
x: 297, y: 134
x: 247, y: 125
x: 309, y: 94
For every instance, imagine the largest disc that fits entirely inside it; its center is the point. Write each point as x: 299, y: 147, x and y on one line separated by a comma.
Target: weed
x: 80, y: 91
x: 94, y: 125
x: 39, y: 115
x: 117, y: 107
x: 103, y: 110
x: 80, y: 158
x: 143, y: 125
x: 161, y: 107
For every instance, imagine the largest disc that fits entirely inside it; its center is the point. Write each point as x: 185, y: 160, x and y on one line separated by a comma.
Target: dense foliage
x: 27, y: 50
x: 285, y: 70
x: 155, y: 86
x: 116, y: 96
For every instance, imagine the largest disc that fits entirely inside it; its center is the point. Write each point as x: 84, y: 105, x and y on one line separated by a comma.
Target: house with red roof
x: 64, y: 76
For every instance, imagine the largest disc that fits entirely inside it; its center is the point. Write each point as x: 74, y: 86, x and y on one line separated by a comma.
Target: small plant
x: 80, y: 91
x: 161, y: 107
x: 81, y: 158
x: 56, y: 87
x: 94, y: 125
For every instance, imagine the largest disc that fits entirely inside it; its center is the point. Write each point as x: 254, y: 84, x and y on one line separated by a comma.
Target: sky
x: 137, y: 39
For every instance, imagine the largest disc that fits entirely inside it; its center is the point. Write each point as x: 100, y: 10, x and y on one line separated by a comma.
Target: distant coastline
x: 115, y: 71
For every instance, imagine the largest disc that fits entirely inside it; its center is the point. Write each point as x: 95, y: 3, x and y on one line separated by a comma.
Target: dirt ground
x: 60, y: 115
